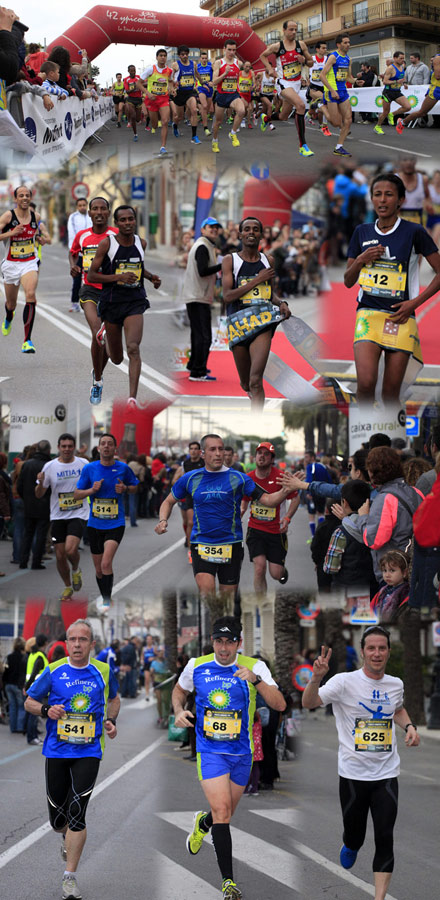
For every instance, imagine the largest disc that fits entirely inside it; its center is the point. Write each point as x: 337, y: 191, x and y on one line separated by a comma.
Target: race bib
x: 262, y: 291
x: 76, y: 729
x: 187, y: 81
x: 127, y: 266
x: 66, y: 501
x: 105, y: 509
x: 342, y: 75
x: 411, y: 215
x: 159, y: 88
x: 373, y: 735
x: 204, y: 78
x: 22, y: 249
x: 291, y: 70
x: 267, y: 90
x: 215, y: 553
x: 384, y: 278
x: 264, y: 513
x: 222, y: 724
x: 88, y: 256
x: 316, y: 75
x: 229, y: 85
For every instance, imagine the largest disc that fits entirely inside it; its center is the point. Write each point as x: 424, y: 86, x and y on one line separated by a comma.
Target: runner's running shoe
x: 195, y: 839
x: 67, y: 593
x: 284, y: 576
x: 400, y: 126
x: 347, y: 857
x: 77, y: 580
x: 96, y: 393
x: 176, y: 131
x: 234, y: 139
x: 207, y: 131
x: 263, y: 123
x: 305, y: 151
x: 100, y: 336
x: 163, y: 151
x: 378, y: 129
x: 215, y: 147
x: 390, y: 118
x: 6, y: 327
x: 326, y: 130
x: 71, y: 890
x: 341, y: 151
x: 195, y: 140
x: 28, y: 347
x: 230, y: 890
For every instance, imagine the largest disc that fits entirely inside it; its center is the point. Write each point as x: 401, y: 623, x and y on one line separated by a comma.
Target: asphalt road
x: 276, y: 149
x: 146, y: 564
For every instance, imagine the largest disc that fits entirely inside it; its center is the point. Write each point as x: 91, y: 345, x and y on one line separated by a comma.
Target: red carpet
x: 339, y: 313
x: 221, y: 363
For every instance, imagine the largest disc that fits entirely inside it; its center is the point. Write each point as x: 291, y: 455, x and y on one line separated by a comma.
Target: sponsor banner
x: 11, y: 136
x: 370, y: 99
x: 63, y: 130
x: 364, y: 421
x: 31, y: 422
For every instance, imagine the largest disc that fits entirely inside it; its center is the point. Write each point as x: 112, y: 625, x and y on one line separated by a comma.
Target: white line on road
x: 337, y: 870
x: 137, y: 572
x: 176, y: 881
x: 28, y: 841
x: 396, y: 149
x: 263, y: 856
x: 292, y: 818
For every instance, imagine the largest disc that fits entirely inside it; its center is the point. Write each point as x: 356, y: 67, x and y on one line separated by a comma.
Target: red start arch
x: 105, y: 25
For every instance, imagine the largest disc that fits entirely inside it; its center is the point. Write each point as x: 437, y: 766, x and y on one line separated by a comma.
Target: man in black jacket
x: 36, y: 512
x: 9, y: 58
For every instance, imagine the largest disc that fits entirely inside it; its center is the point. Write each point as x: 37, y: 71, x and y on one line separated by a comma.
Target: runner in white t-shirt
x: 67, y: 515
x: 367, y: 704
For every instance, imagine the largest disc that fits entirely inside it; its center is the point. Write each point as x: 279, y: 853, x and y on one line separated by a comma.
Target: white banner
x: 31, y: 422
x: 364, y: 421
x: 370, y: 99
x: 63, y: 130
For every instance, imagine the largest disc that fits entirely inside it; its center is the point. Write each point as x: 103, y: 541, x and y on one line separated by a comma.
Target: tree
x: 409, y: 626
x: 169, y: 606
x: 94, y: 71
x: 287, y: 635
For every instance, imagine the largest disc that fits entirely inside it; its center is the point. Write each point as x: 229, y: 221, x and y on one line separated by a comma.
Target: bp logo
x: 379, y: 101
x: 354, y: 100
x: 30, y: 129
x: 80, y: 703
x: 218, y: 698
x: 362, y: 327
x: 413, y: 100
x: 68, y: 126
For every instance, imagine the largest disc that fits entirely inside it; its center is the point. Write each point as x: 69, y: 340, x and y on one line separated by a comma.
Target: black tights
x: 357, y: 799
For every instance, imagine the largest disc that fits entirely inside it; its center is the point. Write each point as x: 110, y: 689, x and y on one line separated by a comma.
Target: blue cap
x: 210, y: 221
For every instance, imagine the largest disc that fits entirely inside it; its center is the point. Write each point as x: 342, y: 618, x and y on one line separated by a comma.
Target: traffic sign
x: 260, y: 170
x: 80, y: 190
x: 436, y: 634
x: 301, y: 676
x: 138, y: 188
x: 412, y: 426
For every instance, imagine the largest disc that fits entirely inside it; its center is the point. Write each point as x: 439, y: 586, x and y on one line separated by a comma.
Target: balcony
x: 256, y: 15
x: 392, y: 9
x: 272, y: 36
x: 272, y: 7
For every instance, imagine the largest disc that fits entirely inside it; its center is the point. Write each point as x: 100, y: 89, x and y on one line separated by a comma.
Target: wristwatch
x: 45, y: 707
x: 257, y: 681
x: 111, y: 719
x: 410, y: 725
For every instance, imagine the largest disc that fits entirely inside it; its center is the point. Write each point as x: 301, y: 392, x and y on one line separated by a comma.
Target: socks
x: 105, y: 586
x: 221, y: 838
x: 9, y: 314
x: 206, y: 822
x: 194, y: 130
x: 312, y: 527
x: 301, y: 128
x: 28, y: 320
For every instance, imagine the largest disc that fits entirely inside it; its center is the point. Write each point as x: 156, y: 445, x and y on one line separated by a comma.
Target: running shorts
x: 246, y: 97
x: 158, y: 103
x: 283, y: 85
x: 182, y: 96
x: 433, y: 93
x: 61, y: 528
x: 264, y: 543
x: 69, y: 785
x: 342, y: 95
x: 98, y: 536
x: 13, y: 272
x: 116, y: 312
x: 224, y: 100
x: 89, y: 294
x: 211, y: 765
x: 391, y: 94
x: 226, y: 572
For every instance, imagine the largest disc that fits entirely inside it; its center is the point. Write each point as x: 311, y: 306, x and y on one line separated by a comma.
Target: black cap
x: 232, y: 632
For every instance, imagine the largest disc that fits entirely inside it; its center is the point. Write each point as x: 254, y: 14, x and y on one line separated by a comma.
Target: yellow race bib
x: 229, y: 85
x: 105, y: 509
x: 127, y: 266
x: 215, y: 553
x: 66, y: 501
x: 187, y: 81
x: 373, y: 735
x: 264, y: 513
x: 262, y: 291
x: 385, y: 278
x: 76, y: 728
x: 222, y: 724
x: 24, y: 248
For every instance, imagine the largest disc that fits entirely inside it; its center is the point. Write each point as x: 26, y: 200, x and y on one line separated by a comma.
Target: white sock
x: 69, y: 875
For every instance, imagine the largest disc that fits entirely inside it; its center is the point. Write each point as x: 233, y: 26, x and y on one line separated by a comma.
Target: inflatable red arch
x: 105, y: 25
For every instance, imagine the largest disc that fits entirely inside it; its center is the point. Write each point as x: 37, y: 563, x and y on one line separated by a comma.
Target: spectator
x: 347, y: 560
x: 366, y: 78
x: 9, y: 59
x: 51, y: 71
x: 62, y: 56
x: 320, y: 543
x: 24, y: 87
x: 36, y: 512
x: 14, y: 678
x: 426, y: 481
x: 417, y: 72
x: 77, y: 221
x: 36, y: 662
x: 391, y: 600
x: 198, y: 295
x: 35, y: 58
x: 129, y: 665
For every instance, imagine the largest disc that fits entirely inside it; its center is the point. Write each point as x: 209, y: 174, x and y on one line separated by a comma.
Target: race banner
x: 370, y: 99
x: 60, y: 132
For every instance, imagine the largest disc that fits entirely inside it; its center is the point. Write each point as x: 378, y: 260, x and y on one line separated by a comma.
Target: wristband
x: 163, y: 520
x: 287, y: 519
x: 45, y: 707
x: 410, y: 725
x: 111, y: 719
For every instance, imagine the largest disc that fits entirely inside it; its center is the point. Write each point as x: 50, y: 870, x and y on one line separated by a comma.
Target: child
x: 52, y: 72
x: 389, y: 602
x: 257, y: 734
x: 348, y: 561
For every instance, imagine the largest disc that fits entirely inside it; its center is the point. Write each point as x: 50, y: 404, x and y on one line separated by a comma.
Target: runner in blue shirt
x: 105, y: 481
x: 217, y: 533
x: 79, y: 698
x: 226, y: 684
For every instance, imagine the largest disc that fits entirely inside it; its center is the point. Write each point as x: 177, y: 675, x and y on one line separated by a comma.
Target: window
x: 314, y: 22
x: 360, y: 12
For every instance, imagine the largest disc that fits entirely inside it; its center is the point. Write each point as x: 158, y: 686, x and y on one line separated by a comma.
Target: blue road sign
x: 412, y: 426
x: 260, y: 170
x: 138, y: 188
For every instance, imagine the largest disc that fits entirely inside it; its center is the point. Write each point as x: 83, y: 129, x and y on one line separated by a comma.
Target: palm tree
x: 409, y: 625
x: 169, y: 605
x: 287, y: 635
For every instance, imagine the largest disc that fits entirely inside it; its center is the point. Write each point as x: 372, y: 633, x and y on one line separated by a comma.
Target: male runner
x: 225, y: 78
x: 266, y: 536
x: 186, y: 94
x: 20, y: 228
x: 194, y: 461
x: 416, y: 190
x: 246, y: 84
x: 67, y: 515
x: 367, y: 704
x: 252, y: 307
x: 291, y: 54
x: 315, y: 90
x: 159, y: 78
x: 267, y: 97
x: 134, y: 94
x: 82, y: 251
x: 78, y: 696
x: 334, y: 76
x: 119, y: 266
x: 118, y: 90
x: 393, y: 82
x: 432, y: 96
x: 226, y: 684
x: 217, y: 534
x: 105, y: 481
x: 205, y: 90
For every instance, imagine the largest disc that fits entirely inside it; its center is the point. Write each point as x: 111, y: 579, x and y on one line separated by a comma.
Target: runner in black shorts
x: 105, y: 481
x: 393, y: 82
x: 118, y: 97
x: 119, y: 267
x: 186, y: 94
x: 194, y: 461
x: 266, y: 537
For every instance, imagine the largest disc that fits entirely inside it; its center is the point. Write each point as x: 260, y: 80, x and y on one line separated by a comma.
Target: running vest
x: 288, y: 65
x: 85, y: 244
x: 338, y: 74
x: 267, y: 86
x: 185, y: 76
x: 412, y: 206
x: 244, y: 271
x: 131, y: 88
x: 435, y: 199
x: 434, y: 82
x: 22, y: 246
x: 120, y: 259
x: 196, y: 287
x: 204, y: 73
x: 315, y: 71
x: 229, y: 85
x: 157, y: 83
x: 118, y: 88
x: 245, y: 82
x: 398, y: 77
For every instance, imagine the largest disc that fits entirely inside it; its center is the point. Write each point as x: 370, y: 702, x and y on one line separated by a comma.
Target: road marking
x: 292, y: 818
x: 415, y: 775
x: 189, y: 885
x: 16, y: 755
x: 261, y: 855
x: 337, y: 870
x: 28, y: 841
x: 396, y: 149
x: 137, y: 572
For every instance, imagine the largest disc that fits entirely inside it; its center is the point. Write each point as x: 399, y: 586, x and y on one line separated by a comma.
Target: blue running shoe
x: 96, y: 393
x: 195, y: 140
x: 135, y: 137
x: 341, y: 151
x: 163, y: 151
x: 347, y: 857
x: 176, y: 131
x: 28, y: 347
